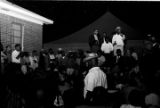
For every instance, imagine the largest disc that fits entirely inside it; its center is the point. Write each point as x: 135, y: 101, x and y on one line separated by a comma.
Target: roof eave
x: 12, y: 8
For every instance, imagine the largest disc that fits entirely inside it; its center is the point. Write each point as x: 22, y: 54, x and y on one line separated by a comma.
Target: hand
x: 84, y: 73
x: 119, y: 86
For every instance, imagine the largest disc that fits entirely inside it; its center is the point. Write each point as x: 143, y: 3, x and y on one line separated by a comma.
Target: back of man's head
x: 17, y: 47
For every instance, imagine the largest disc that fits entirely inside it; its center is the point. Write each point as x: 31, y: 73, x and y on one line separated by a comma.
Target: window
x: 17, y: 34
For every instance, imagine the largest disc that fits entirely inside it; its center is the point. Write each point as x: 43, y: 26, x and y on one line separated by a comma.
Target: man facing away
x: 94, y: 78
x: 15, y: 57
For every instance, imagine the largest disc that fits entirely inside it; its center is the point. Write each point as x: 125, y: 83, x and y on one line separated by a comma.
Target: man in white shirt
x: 15, y: 57
x: 16, y: 68
x: 118, y: 40
x: 106, y: 46
x: 94, y: 78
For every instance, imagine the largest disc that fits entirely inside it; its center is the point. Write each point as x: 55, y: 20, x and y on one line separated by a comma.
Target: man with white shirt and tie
x: 16, y: 54
x: 14, y: 69
x: 118, y: 40
x: 15, y: 58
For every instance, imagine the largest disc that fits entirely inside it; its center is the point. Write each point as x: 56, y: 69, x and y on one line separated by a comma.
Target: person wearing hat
x: 152, y: 100
x: 153, y: 41
x: 118, y: 40
x: 94, y: 78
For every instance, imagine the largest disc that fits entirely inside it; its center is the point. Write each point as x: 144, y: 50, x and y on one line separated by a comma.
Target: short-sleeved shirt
x: 152, y: 99
x: 119, y: 39
x: 15, y: 53
x: 107, y: 48
x: 129, y: 106
x: 95, y: 78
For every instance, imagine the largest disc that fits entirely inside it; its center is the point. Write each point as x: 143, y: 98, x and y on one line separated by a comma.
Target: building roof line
x: 7, y: 7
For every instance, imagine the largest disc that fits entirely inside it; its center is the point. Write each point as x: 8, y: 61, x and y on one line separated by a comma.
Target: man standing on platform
x: 95, y: 41
x: 118, y: 40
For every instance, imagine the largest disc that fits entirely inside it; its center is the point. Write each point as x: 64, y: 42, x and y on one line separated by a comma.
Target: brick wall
x: 32, y: 32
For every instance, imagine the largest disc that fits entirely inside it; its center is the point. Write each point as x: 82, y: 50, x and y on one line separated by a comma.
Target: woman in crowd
x: 34, y: 59
x: 51, y: 59
x: 135, y: 99
x: 3, y: 57
x: 8, y: 52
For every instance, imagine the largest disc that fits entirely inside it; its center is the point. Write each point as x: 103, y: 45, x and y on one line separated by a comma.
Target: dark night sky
x: 71, y: 16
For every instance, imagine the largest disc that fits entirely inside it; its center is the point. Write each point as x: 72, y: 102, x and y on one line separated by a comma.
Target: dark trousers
x: 108, y: 58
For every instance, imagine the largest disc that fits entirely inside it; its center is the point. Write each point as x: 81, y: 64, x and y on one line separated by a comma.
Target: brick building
x: 18, y: 25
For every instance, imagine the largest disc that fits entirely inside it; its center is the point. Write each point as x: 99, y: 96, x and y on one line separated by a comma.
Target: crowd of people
x: 109, y: 74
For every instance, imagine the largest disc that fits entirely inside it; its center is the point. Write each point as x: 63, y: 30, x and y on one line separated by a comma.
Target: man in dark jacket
x: 95, y: 41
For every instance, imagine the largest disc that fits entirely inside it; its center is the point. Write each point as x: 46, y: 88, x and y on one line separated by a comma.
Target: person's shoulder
x: 128, y: 106
x: 30, y: 58
x: 96, y: 68
x: 110, y: 43
x: 115, y: 34
x: 124, y: 106
x: 87, y: 106
x: 92, y: 69
x: 14, y: 51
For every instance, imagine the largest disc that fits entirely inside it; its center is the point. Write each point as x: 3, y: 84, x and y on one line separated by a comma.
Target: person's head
x: 153, y: 39
x: 91, y: 60
x: 99, y: 53
x: 149, y: 35
x: 80, y: 53
x: 70, y: 71
x: 105, y: 37
x: 34, y: 53
x: 104, y: 34
x: 101, y: 60
x: 152, y: 99
x: 147, y: 45
x: 8, y: 48
x: 51, y: 51
x: 18, y: 47
x: 118, y: 29
x: 96, y: 31
x: 60, y: 52
x: 128, y: 52
x: 25, y: 57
